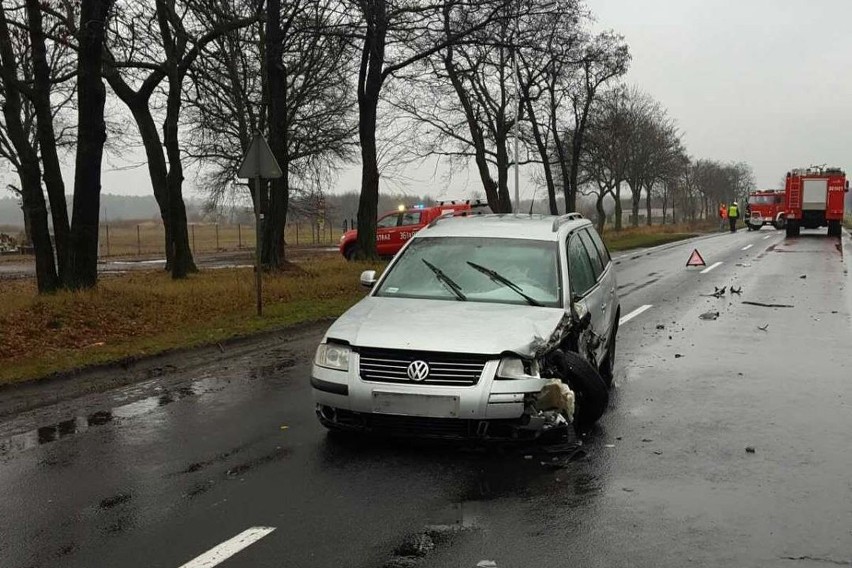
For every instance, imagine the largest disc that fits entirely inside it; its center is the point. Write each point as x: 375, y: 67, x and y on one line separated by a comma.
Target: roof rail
x: 471, y: 202
x: 456, y: 213
x: 562, y: 219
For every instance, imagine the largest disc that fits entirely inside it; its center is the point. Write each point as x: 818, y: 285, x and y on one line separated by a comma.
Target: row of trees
x: 325, y: 81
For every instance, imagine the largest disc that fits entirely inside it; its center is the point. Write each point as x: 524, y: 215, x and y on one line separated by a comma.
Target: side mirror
x: 368, y: 278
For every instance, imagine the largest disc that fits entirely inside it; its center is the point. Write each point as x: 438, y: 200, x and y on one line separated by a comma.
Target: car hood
x: 448, y: 326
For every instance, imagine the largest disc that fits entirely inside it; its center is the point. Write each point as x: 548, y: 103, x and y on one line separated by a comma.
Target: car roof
x: 503, y: 226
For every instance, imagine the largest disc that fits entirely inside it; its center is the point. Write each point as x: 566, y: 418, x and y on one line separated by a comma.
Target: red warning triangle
x: 695, y: 259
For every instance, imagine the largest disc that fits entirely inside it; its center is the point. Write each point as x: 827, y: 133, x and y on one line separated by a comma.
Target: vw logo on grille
x: 418, y: 370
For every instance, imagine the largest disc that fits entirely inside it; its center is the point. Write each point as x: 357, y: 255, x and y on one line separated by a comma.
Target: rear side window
x: 599, y: 244
x: 592, y: 250
x: 580, y: 270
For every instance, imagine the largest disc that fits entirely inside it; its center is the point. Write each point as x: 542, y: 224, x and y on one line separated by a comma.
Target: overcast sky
x: 764, y: 82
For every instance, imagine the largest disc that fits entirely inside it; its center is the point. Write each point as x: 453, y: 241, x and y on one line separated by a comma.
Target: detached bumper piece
x: 424, y: 427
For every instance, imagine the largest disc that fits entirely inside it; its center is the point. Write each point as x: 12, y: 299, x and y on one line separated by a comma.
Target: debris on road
x: 803, y: 276
x: 765, y: 305
x: 609, y: 445
x: 660, y: 326
x: 486, y: 564
x: 709, y: 316
x: 658, y: 452
x: 718, y: 292
x: 737, y: 291
x: 749, y: 449
x: 646, y: 440
x: 678, y: 355
x: 763, y: 327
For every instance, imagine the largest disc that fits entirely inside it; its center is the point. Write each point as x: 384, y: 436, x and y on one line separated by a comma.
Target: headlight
x: 517, y: 368
x: 333, y: 356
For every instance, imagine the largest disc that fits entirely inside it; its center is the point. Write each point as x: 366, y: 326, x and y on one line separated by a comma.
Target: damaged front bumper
x: 492, y: 409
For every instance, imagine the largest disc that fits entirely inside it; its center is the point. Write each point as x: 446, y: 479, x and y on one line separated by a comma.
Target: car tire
x: 607, y: 369
x: 779, y: 223
x: 590, y: 390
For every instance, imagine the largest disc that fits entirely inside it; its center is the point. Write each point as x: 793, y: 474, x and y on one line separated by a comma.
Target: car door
x: 606, y: 280
x: 588, y: 296
x: 410, y: 223
x: 386, y: 226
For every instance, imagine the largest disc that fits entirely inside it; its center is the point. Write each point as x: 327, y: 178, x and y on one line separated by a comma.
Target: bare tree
x: 393, y: 37
x: 296, y: 81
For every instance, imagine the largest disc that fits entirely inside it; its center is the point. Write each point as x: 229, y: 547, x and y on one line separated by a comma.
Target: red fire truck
x: 394, y: 228
x: 765, y: 207
x: 814, y: 198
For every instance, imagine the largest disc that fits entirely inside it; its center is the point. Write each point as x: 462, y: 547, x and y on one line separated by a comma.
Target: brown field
x: 145, y: 238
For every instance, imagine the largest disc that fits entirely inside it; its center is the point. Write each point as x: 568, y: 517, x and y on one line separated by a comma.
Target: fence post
x: 138, y: 242
x: 217, y: 237
x: 107, y: 239
x: 192, y: 227
x: 239, y: 237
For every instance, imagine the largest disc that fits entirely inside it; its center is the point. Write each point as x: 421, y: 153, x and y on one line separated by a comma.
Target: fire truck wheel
x: 350, y: 252
x: 793, y: 229
x: 779, y: 223
x: 589, y: 388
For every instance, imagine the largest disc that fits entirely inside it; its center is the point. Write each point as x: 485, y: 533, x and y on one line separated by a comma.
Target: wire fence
x: 148, y: 238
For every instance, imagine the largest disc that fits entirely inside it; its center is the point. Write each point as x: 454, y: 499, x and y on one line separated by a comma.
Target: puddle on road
x: 79, y: 424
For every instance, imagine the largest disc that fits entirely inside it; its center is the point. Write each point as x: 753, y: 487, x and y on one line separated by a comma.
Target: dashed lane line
x: 633, y: 314
x: 748, y: 246
x: 766, y: 237
x: 222, y: 552
x: 711, y: 267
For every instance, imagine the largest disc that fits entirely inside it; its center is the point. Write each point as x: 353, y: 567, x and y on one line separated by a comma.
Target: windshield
x: 473, y: 269
x: 764, y: 199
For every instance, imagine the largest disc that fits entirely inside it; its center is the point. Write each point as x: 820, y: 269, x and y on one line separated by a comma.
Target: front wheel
x: 779, y: 223
x: 350, y: 252
x: 589, y: 388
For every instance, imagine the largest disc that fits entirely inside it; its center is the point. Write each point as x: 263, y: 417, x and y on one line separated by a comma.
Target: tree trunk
x: 272, y: 252
x: 369, y: 85
x: 635, y: 198
x: 91, y: 135
x: 545, y: 158
x: 47, y: 138
x: 618, y: 212
x: 648, y: 205
x: 157, y: 170
x: 599, y: 208
x: 182, y: 262
x: 504, y: 201
x: 32, y: 198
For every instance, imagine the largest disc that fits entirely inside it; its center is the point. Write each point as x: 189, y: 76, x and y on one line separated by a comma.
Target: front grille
x: 391, y: 366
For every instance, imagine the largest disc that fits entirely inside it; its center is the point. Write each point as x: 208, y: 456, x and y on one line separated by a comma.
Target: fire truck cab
x: 814, y: 198
x: 765, y: 207
x: 395, y: 228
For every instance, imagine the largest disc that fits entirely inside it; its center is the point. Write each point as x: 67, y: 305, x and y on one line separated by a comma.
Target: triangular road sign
x: 259, y: 161
x: 695, y: 259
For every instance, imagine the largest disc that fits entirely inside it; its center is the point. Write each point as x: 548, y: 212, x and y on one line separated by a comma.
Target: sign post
x: 259, y: 163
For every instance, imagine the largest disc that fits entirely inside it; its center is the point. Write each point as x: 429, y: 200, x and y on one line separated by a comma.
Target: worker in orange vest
x: 723, y: 216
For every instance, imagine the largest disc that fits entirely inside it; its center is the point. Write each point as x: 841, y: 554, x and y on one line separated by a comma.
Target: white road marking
x: 766, y: 237
x: 220, y: 553
x: 711, y: 267
x: 747, y: 247
x: 633, y: 314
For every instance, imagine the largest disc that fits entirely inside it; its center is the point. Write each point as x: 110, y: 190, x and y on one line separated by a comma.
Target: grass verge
x: 642, y: 237
x: 138, y: 314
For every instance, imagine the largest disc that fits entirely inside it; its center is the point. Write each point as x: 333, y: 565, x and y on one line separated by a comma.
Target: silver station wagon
x: 482, y: 326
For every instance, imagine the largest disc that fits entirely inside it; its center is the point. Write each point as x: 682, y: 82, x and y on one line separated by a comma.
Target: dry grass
x: 142, y: 313
x: 645, y: 236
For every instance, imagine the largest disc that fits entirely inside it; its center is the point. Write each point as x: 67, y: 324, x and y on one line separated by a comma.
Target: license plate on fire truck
x: 406, y: 404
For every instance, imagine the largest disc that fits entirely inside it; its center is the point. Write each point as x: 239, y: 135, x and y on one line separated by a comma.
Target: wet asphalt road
x: 158, y: 473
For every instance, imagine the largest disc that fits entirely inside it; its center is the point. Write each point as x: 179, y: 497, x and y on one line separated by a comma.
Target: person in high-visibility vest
x: 733, y: 215
x: 723, y: 216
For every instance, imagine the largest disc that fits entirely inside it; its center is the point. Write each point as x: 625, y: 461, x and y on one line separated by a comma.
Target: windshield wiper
x: 446, y: 280
x: 499, y: 278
